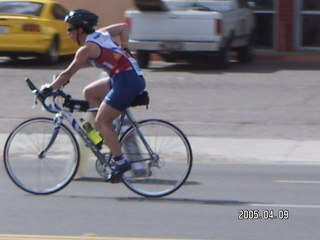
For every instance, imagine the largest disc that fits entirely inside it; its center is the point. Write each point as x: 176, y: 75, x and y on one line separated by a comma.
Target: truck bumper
x: 171, y: 46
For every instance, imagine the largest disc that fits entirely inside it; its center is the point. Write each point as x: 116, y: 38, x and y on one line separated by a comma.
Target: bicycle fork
x: 58, y: 121
x: 56, y: 129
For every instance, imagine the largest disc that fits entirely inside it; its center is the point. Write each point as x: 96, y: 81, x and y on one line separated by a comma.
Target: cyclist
x: 125, y: 83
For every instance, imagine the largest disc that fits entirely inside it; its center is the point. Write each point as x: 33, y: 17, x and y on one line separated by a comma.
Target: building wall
x: 109, y: 11
x: 285, y: 22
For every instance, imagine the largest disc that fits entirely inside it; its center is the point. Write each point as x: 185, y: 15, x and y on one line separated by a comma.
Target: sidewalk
x: 275, y: 56
x: 256, y: 150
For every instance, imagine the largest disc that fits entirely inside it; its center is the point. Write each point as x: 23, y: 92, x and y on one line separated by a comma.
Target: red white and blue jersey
x: 113, y: 58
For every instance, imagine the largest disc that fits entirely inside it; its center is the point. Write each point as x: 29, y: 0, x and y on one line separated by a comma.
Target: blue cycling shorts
x: 125, y: 87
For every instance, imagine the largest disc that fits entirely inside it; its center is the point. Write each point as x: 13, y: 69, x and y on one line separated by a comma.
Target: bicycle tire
x: 169, y: 173
x: 37, y: 174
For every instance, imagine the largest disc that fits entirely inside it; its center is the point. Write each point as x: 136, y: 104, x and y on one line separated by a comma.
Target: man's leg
x: 95, y: 92
x: 104, y: 119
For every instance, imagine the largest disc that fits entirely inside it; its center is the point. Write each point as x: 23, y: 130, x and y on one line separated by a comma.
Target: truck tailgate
x: 173, y: 26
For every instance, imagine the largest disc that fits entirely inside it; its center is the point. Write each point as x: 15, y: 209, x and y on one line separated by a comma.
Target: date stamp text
x: 256, y: 214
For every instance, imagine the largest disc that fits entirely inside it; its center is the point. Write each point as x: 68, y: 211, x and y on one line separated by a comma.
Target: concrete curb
x: 206, y: 149
x: 286, y: 57
x: 256, y: 150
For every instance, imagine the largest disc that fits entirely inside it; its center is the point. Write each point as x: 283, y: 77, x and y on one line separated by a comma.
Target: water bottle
x: 93, y: 134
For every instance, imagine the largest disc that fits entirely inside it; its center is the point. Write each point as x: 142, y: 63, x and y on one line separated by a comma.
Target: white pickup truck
x: 191, y: 30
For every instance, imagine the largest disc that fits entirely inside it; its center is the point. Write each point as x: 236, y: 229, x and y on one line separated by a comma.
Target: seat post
x: 130, y: 116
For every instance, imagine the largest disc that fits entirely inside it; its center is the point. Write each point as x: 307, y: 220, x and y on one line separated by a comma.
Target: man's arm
x: 81, y: 57
x: 120, y: 30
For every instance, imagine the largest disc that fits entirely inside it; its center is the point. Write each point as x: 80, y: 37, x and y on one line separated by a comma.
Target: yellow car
x: 34, y: 28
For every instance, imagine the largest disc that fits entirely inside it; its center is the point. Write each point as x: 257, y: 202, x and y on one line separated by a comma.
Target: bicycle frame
x: 64, y: 113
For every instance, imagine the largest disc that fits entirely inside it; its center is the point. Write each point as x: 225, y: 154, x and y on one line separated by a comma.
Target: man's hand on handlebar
x: 45, y: 91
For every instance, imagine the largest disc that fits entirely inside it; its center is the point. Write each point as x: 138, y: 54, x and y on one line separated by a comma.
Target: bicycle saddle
x: 141, y: 100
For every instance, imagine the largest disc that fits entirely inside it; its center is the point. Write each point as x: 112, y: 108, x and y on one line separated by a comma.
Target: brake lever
x: 35, y: 102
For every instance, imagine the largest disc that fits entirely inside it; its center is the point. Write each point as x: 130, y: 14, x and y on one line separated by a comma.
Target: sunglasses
x: 70, y: 29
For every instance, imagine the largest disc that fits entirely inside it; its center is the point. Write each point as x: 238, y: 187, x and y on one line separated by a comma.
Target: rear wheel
x: 246, y: 53
x: 167, y: 169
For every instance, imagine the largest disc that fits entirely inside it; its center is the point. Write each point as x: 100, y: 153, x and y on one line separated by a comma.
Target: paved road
x: 269, y: 108
x: 207, y: 207
x: 261, y: 113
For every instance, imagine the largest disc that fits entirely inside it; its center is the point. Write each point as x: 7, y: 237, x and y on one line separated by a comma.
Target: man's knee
x: 86, y: 93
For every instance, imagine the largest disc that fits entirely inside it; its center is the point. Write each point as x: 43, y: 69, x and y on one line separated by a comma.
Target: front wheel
x: 38, y: 161
x: 161, y: 159
x: 223, y: 58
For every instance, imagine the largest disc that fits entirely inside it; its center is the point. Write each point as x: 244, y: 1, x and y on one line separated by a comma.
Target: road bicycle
x: 41, y: 155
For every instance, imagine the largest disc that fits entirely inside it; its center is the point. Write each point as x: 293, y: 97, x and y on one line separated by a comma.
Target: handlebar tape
x: 31, y: 85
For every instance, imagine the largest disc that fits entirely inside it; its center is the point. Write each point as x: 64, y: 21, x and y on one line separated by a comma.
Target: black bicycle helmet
x: 82, y: 18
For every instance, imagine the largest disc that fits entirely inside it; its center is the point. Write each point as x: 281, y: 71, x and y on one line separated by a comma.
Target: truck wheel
x: 223, y: 58
x: 245, y: 54
x: 143, y: 58
x: 224, y: 55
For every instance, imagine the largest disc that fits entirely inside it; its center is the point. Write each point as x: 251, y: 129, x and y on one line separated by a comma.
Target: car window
x: 19, y: 7
x: 59, y: 12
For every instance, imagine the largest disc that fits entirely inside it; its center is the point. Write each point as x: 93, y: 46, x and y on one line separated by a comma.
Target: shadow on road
x: 161, y: 200
x: 94, y: 179
x: 167, y: 200
x: 185, y: 200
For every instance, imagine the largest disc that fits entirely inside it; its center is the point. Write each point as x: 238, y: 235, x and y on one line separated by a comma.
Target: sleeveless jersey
x: 113, y: 59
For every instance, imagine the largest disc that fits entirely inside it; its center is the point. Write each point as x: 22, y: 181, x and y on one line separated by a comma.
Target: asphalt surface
x: 254, y: 131
x: 265, y: 111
